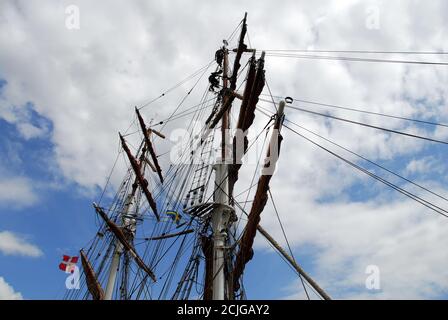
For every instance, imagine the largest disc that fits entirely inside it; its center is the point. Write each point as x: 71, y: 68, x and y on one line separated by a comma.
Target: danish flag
x: 68, y: 263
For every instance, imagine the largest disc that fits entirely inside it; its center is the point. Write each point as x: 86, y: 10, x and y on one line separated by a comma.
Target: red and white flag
x: 68, y: 263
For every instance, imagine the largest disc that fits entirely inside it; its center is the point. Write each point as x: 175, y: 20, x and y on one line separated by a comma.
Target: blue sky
x: 59, y: 222
x: 65, y: 93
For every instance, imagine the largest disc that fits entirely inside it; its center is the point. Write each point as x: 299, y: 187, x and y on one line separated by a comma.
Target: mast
x: 224, y: 259
x: 221, y: 214
x: 113, y: 271
x: 129, y: 221
x: 118, y: 251
x: 224, y: 213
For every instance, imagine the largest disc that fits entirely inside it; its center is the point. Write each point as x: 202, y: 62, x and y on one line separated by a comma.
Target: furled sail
x: 149, y: 144
x: 245, y: 252
x: 141, y: 180
x: 93, y: 285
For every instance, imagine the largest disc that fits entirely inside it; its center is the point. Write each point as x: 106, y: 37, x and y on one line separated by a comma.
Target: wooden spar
x: 118, y: 232
x: 153, y: 168
x: 226, y: 101
x: 149, y: 145
x: 161, y: 135
x: 210, y: 117
x: 245, y: 252
x: 241, y: 48
x: 141, y: 180
x: 293, y: 263
x: 221, y: 112
x: 218, y: 115
x: 237, y: 95
x: 93, y: 285
x: 228, y: 95
x: 172, y: 235
x: 215, y: 117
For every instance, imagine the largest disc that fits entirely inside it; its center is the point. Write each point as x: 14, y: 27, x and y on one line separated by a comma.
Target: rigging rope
x: 193, y: 75
x: 370, y: 161
x: 368, y: 125
x: 247, y: 214
x: 390, y: 184
x: 412, y: 196
x: 358, y: 51
x: 339, y: 58
x: 364, y: 111
x: 286, y: 239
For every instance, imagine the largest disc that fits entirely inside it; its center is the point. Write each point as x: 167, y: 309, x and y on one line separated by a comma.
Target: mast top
x: 281, y: 108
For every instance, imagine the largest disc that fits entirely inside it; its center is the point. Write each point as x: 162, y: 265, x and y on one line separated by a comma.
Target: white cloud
x: 17, y: 192
x: 424, y: 165
x: 7, y: 292
x: 76, y: 77
x: 29, y: 131
x: 13, y: 244
x: 404, y: 239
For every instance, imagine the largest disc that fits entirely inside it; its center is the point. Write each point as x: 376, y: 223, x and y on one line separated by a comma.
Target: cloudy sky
x: 65, y: 93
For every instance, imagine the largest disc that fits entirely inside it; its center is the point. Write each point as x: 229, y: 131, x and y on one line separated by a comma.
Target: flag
x: 68, y: 263
x: 175, y: 216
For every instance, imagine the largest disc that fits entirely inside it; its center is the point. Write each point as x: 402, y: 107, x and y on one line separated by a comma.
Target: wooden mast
x: 223, y: 214
x: 226, y: 101
x: 229, y: 91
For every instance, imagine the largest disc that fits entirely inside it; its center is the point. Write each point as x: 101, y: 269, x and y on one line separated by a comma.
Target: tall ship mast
x: 177, y: 230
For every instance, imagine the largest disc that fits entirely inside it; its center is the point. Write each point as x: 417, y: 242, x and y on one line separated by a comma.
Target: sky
x: 65, y: 92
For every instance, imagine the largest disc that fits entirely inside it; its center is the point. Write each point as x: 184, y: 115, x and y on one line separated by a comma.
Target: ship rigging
x: 179, y: 230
